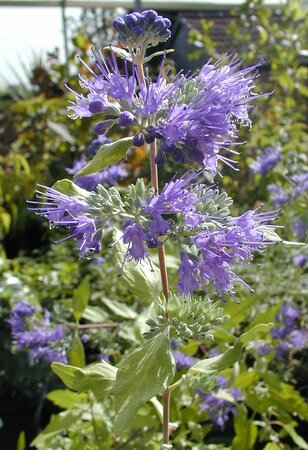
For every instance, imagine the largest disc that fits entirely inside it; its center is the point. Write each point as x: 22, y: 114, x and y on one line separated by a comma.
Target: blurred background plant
x: 259, y: 404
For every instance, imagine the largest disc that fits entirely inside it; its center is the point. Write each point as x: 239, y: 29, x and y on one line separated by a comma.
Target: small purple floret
x: 266, y: 161
x: 300, y: 260
x: 183, y: 361
x: 126, y: 119
x: 138, y: 140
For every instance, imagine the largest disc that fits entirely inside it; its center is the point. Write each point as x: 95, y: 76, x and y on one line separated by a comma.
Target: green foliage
x: 81, y: 297
x: 33, y: 150
x: 76, y: 353
x: 142, y: 280
x: 245, y: 429
x: 98, y: 377
x: 21, y: 443
x: 119, y: 309
x: 108, y: 154
x: 298, y: 440
x: 143, y: 374
x: 66, y: 399
x: 39, y: 142
x: 190, y: 317
x: 57, y: 424
x: 67, y: 187
x: 231, y: 356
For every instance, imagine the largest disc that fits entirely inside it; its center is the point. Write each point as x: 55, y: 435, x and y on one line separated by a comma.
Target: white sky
x: 28, y: 31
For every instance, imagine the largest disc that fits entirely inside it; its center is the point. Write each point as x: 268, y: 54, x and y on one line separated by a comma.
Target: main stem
x: 161, y: 250
x: 163, y: 272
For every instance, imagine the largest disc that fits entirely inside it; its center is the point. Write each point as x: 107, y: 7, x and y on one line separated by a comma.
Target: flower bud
x: 119, y: 25
x: 138, y: 140
x: 96, y: 106
x: 126, y: 119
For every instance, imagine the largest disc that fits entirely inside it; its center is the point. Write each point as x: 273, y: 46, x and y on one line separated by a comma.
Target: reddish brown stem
x: 163, y: 274
x: 99, y: 325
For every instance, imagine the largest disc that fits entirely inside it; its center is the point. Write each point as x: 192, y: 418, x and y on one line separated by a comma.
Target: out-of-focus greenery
x: 39, y: 142
x: 279, y: 38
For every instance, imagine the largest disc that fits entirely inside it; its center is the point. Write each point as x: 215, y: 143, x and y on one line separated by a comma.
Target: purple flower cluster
x: 287, y: 334
x: 266, y: 161
x: 300, y: 183
x: 198, y: 129
x: 178, y: 212
x: 278, y: 194
x: 281, y: 196
x: 193, y: 118
x: 74, y: 213
x: 299, y: 228
x: 39, y: 339
x: 218, y: 407
x: 287, y: 317
x: 234, y: 242
x: 142, y: 30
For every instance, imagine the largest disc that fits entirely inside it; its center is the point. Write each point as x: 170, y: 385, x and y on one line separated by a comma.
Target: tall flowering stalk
x: 188, y: 119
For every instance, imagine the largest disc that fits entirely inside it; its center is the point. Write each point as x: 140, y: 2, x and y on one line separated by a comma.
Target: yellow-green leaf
x: 107, y: 155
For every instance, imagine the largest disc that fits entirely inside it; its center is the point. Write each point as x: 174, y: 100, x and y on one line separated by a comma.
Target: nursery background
x: 85, y: 313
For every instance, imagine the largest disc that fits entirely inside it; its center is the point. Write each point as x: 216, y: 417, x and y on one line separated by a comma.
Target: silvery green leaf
x: 119, y: 52
x: 269, y: 234
x: 67, y: 187
x: 143, y: 374
x: 163, y: 52
x: 300, y: 244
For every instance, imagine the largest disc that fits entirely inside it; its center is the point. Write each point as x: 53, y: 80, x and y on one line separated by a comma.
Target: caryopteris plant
x: 192, y: 120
